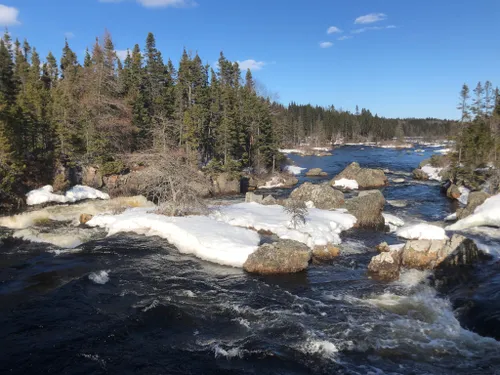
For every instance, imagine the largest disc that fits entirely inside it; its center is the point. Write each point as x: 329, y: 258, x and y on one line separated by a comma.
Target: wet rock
x: 453, y: 192
x: 476, y: 198
x: 322, y: 195
x: 397, y: 203
x: 92, y: 177
x: 284, y: 256
x: 253, y: 198
x: 84, y: 218
x: 386, y: 265
x: 226, y: 183
x: 429, y: 254
x: 398, y: 180
x: 316, y: 172
x: 367, y: 207
x: 325, y: 253
x: 365, y: 177
x: 269, y: 201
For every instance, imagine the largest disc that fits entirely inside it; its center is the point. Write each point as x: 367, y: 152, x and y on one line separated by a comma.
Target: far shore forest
x: 97, y: 110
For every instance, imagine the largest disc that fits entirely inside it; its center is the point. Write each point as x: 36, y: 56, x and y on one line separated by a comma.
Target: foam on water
x: 99, y: 277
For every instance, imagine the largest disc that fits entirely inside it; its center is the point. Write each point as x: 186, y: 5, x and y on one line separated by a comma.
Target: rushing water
x: 131, y: 304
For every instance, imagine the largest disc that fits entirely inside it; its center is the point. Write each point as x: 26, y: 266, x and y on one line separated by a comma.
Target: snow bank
x: 201, y: 236
x: 443, y: 151
x: 293, y: 169
x: 451, y: 217
x: 76, y: 193
x: 464, y: 195
x: 67, y: 238
x: 44, y: 195
x: 422, y: 231
x: 345, y: 183
x: 487, y: 214
x: 291, y: 151
x: 321, y: 227
x: 432, y: 172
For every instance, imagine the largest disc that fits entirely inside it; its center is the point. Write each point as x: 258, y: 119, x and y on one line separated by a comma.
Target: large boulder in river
x: 325, y: 253
x: 367, y: 207
x: 386, y: 265
x: 92, y: 177
x: 322, y: 195
x: 284, y: 256
x: 428, y: 254
x: 316, y: 172
x: 476, y: 198
x: 226, y: 183
x: 365, y: 177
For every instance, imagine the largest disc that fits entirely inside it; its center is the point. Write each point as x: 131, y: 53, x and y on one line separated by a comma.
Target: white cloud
x: 364, y: 29
x: 370, y: 18
x: 344, y: 37
x: 69, y: 35
x: 326, y: 44
x: 251, y: 64
x: 121, y: 53
x: 8, y: 16
x: 333, y: 30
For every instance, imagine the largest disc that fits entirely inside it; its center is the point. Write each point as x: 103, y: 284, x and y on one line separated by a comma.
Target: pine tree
x: 478, y: 103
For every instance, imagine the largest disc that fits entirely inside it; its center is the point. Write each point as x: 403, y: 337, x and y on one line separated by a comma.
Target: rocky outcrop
x: 92, y: 177
x: 284, y: 256
x: 367, y: 207
x: 269, y: 201
x: 445, y: 255
x: 322, y: 195
x: 325, y: 253
x: 225, y: 183
x: 453, y: 192
x: 316, y: 172
x: 419, y: 174
x: 386, y: 265
x: 284, y: 180
x: 476, y: 198
x: 365, y: 177
x: 383, y: 247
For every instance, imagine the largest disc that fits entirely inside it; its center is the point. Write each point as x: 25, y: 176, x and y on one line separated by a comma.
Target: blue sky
x: 403, y: 58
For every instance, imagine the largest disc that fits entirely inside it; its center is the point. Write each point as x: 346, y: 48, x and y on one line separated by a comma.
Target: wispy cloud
x: 326, y: 44
x: 344, y: 37
x: 8, y: 16
x: 370, y: 28
x: 333, y: 30
x: 159, y: 3
x: 251, y: 64
x: 69, y: 35
x: 121, y: 54
x: 370, y: 18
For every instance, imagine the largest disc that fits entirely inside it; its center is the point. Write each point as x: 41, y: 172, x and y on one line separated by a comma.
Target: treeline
x: 478, y: 139
x: 320, y: 125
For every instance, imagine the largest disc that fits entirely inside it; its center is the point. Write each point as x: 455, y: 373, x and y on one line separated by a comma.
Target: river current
x: 129, y: 304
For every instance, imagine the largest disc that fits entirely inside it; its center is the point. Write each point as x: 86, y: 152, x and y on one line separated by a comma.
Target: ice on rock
x: 76, y: 193
x: 200, y: 236
x: 293, y: 169
x: 345, y: 183
x: 321, y: 227
x: 487, y: 214
x: 422, y: 231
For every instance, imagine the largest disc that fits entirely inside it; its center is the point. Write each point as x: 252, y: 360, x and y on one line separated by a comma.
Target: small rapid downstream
x: 134, y: 304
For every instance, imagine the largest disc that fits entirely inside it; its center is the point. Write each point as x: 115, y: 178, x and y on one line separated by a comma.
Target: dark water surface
x: 131, y: 304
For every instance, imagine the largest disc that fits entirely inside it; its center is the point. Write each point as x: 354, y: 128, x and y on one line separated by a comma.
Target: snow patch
x: 295, y: 170
x: 76, y: 193
x: 345, y: 183
x: 321, y: 227
x: 487, y: 214
x: 274, y: 182
x: 432, y: 172
x: 422, y: 231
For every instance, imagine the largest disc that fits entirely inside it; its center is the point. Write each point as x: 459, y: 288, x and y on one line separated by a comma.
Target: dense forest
x: 95, y: 110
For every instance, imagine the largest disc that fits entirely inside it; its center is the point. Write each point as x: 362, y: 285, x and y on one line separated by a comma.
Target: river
x: 132, y: 304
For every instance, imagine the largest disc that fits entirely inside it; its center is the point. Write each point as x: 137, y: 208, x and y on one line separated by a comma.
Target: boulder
x: 367, y: 207
x: 269, y: 201
x: 322, y: 195
x: 419, y: 174
x: 476, y: 198
x: 386, y: 265
x: 284, y: 256
x: 383, y: 247
x: 225, y: 183
x: 84, y: 218
x: 365, y: 177
x: 316, y: 172
x: 92, y: 177
x: 253, y: 198
x: 325, y: 253
x: 428, y: 254
x: 398, y: 180
x: 453, y: 192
